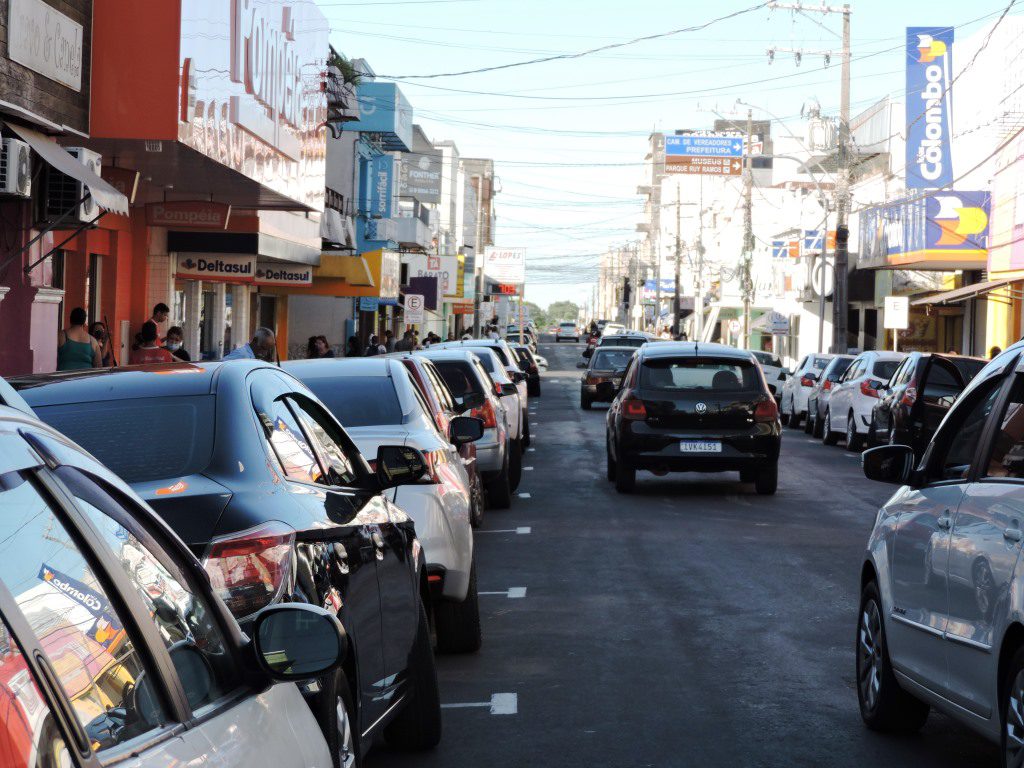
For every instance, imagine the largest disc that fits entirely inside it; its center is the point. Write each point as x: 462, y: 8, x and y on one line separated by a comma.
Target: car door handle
x: 1013, y: 534
x: 945, y: 522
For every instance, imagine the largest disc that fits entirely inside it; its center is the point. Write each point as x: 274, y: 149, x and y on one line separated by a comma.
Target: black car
x: 917, y: 397
x: 606, y: 364
x: 693, y: 407
x: 267, y: 489
x: 528, y: 365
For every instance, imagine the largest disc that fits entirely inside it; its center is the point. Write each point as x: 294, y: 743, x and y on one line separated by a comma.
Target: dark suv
x: 917, y: 397
x: 692, y: 407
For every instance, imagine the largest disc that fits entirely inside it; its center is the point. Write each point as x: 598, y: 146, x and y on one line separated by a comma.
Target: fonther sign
x: 929, y: 107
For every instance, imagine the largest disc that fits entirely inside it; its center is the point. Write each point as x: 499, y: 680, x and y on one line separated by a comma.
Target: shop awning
x: 106, y: 197
x: 961, y: 294
x: 339, y: 264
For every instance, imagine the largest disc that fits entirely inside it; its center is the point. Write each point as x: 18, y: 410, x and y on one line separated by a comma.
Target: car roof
x: 692, y: 349
x: 129, y: 382
x: 612, y: 348
x: 332, y: 367
x: 452, y: 353
x: 9, y: 396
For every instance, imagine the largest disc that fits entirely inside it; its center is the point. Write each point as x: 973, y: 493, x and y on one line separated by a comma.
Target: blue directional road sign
x: 704, y: 145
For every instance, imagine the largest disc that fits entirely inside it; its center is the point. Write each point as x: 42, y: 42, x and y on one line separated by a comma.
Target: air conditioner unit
x: 15, y: 168
x: 64, y: 193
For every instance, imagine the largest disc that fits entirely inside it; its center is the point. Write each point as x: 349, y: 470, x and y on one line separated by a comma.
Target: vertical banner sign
x: 929, y: 107
x: 378, y: 186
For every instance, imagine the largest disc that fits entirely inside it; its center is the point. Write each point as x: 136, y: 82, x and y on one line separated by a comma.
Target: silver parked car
x: 817, y: 399
x: 941, y: 619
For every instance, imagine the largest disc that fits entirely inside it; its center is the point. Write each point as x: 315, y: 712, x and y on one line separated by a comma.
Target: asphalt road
x: 693, y: 623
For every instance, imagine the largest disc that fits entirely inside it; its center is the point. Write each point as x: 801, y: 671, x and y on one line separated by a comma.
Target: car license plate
x: 700, y: 446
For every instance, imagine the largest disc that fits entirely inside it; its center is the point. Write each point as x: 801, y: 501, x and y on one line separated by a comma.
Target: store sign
x: 271, y: 273
x: 414, y: 308
x: 505, y: 265
x: 188, y: 214
x: 380, y: 170
x: 668, y: 287
x: 368, y: 303
x: 46, y: 41
x: 390, y: 274
x: 384, y: 110
x: 896, y: 312
x: 462, y: 309
x: 444, y: 268
x: 929, y: 110
x: 421, y: 176
x: 218, y: 267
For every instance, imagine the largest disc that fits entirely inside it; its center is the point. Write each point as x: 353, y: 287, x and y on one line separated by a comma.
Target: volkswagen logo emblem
x: 702, y: 408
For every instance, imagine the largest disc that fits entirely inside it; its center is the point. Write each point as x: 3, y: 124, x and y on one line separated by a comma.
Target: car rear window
x: 821, y: 363
x: 611, y: 359
x: 767, y: 358
x: 620, y: 341
x: 359, y: 401
x: 141, y: 439
x: 884, y: 369
x: 487, y: 362
x: 459, y: 377
x: 839, y: 367
x: 567, y: 325
x: 691, y: 374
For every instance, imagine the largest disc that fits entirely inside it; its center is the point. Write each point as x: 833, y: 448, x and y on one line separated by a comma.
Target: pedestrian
x: 318, y: 348
x: 375, y: 347
x: 451, y: 336
x: 149, y: 350
x: 174, y: 343
x: 354, y: 348
x: 76, y: 349
x: 263, y: 346
x: 416, y: 339
x: 994, y: 352
x: 389, y: 340
x: 406, y: 343
x: 493, y: 334
x: 98, y: 331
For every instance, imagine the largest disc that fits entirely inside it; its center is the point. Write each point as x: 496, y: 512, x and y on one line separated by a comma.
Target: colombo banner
x: 929, y: 107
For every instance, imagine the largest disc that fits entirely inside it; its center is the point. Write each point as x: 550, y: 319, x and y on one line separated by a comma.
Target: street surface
x: 693, y: 623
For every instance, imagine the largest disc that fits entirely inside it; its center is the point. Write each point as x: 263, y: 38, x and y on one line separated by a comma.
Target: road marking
x: 500, y: 704
x: 527, y: 469
x: 512, y: 593
x: 521, y: 530
x: 530, y: 450
x: 534, y: 423
x: 524, y: 496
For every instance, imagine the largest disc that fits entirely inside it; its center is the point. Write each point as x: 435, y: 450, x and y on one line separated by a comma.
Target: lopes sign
x: 505, y: 265
x: 929, y: 107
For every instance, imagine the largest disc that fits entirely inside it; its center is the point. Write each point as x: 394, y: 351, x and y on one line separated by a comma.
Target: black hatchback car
x: 692, y: 407
x: 917, y: 397
x: 270, y: 493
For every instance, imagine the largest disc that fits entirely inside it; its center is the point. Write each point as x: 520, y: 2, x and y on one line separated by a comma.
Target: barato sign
x: 444, y: 268
x: 194, y: 215
x: 929, y: 107
x: 269, y: 273
x: 46, y: 41
x: 505, y: 265
x: 218, y: 267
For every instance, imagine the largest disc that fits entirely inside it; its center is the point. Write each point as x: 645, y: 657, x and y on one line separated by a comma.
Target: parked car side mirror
x: 298, y: 641
x: 399, y: 465
x: 888, y: 463
x: 508, y: 389
x: 518, y: 376
x: 606, y: 390
x: 471, y: 400
x: 465, y: 429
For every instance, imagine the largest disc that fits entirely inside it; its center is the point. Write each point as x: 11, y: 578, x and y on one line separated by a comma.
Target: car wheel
x: 476, y: 500
x: 828, y: 437
x: 884, y: 706
x: 533, y: 389
x: 767, y: 480
x: 585, y: 402
x: 625, y: 477
x: 795, y: 418
x: 515, y: 464
x: 499, y: 492
x: 418, y: 725
x: 526, y: 429
x: 610, y: 469
x: 808, y: 423
x: 853, y: 440
x: 337, y: 718
x: 1011, y: 708
x: 458, y: 624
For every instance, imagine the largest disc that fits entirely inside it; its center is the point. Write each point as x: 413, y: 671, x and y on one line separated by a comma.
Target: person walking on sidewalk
x: 149, y: 350
x: 76, y: 349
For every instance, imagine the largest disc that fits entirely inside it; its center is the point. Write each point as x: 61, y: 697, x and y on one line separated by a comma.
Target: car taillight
x: 910, y: 394
x: 633, y: 408
x: 869, y: 387
x: 766, y: 411
x: 252, y: 569
x: 486, y: 414
x: 827, y: 385
x: 806, y: 381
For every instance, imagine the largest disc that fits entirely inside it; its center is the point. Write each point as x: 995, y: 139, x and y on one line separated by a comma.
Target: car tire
x: 338, y: 720
x: 766, y: 481
x: 585, y: 402
x: 854, y: 442
x: 808, y: 423
x: 1010, y: 716
x: 499, y: 491
x: 533, y: 389
x: 476, y: 501
x: 884, y: 706
x: 418, y: 725
x: 794, y: 419
x: 828, y: 437
x: 610, y: 468
x: 526, y: 429
x: 515, y: 464
x: 783, y: 417
x: 625, y: 477
x: 870, y: 439
x: 458, y: 624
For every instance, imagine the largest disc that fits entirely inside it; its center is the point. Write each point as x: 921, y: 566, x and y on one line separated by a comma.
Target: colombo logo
x: 929, y: 49
x: 957, y: 221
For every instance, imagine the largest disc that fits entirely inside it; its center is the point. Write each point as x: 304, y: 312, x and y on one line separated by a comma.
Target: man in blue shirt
x: 262, y: 347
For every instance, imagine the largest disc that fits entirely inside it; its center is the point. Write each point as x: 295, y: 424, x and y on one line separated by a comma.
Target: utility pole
x: 747, y: 283
x: 679, y: 260
x: 478, y: 256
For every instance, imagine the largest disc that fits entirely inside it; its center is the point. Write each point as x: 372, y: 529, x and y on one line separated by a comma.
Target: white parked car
x: 567, y: 331
x: 793, y: 400
x: 856, y: 393
x: 774, y: 373
x: 611, y: 329
x: 377, y: 402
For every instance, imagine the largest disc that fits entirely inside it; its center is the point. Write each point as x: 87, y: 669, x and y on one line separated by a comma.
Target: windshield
x: 611, y: 359
x: 767, y: 358
x: 359, y: 401
x: 141, y: 439
x: 699, y: 375
x: 884, y: 369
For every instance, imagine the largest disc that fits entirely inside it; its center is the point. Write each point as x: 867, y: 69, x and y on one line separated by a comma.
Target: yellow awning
x: 352, y: 268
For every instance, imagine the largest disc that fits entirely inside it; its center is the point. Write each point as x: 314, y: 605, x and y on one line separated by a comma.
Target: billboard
x: 505, y: 265
x: 929, y: 107
x: 444, y: 268
x: 421, y: 176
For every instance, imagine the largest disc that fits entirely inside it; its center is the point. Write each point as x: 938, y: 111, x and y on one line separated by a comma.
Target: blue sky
x: 568, y: 137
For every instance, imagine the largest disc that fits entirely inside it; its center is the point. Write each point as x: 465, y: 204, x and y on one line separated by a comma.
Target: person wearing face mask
x: 174, y: 344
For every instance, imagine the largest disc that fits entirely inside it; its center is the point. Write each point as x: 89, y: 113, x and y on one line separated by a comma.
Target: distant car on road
x: 611, y: 329
x: 606, y: 364
x: 849, y: 408
x: 798, y: 386
x: 774, y: 372
x: 567, y: 331
x: 688, y: 407
x: 817, y: 399
x: 917, y: 396
x: 941, y: 617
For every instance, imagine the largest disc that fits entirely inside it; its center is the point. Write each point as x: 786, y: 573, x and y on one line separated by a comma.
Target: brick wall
x: 37, y: 93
